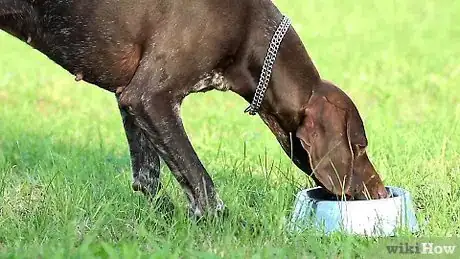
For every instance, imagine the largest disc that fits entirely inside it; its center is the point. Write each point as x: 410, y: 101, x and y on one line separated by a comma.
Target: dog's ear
x: 324, y: 135
x: 356, y: 133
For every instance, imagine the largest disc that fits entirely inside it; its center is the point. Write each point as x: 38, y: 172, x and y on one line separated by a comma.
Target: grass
x: 64, y: 165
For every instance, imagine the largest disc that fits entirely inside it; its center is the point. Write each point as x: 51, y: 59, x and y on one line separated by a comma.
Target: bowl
x: 316, y: 208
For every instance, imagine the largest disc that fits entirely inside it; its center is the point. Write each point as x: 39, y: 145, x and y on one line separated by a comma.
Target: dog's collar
x: 267, y: 68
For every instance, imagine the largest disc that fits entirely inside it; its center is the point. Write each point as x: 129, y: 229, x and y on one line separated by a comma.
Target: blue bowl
x: 316, y: 208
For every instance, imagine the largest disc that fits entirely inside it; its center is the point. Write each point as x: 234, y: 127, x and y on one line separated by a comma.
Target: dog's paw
x: 149, y: 190
x: 219, y: 210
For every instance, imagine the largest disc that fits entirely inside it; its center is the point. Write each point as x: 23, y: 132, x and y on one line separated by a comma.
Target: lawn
x: 64, y: 164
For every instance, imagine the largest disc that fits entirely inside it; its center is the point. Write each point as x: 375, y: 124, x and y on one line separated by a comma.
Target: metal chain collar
x: 267, y: 68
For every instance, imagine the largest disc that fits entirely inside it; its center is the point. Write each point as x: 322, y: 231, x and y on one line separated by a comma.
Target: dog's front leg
x: 154, y: 101
x: 145, y: 161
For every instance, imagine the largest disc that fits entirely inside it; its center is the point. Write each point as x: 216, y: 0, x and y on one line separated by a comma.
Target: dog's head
x: 333, y: 135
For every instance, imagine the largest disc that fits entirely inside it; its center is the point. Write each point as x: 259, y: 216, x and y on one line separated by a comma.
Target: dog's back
x: 103, y: 42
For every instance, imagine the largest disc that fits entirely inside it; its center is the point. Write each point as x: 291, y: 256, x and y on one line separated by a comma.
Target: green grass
x: 64, y: 165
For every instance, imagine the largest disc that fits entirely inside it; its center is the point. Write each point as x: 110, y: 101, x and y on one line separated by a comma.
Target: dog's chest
x: 212, y: 80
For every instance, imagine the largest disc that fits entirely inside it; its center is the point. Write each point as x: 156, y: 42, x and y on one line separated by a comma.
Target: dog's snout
x: 375, y: 189
x: 382, y: 193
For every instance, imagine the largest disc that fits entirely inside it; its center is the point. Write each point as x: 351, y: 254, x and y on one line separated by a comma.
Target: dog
x: 153, y: 53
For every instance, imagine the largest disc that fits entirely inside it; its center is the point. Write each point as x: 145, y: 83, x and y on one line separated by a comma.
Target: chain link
x: 267, y: 67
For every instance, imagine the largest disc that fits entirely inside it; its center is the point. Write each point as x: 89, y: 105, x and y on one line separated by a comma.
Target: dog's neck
x: 293, y: 80
x: 292, y: 84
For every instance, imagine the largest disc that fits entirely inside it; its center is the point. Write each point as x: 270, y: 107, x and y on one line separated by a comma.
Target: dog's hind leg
x: 145, y: 161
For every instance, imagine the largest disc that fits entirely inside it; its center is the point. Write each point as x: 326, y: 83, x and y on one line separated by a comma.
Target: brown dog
x: 153, y: 53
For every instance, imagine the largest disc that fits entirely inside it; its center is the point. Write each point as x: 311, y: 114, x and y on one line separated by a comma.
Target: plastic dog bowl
x: 316, y: 208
